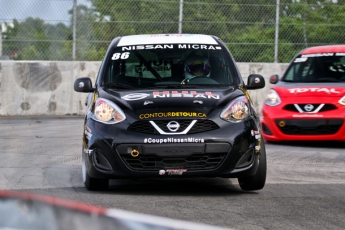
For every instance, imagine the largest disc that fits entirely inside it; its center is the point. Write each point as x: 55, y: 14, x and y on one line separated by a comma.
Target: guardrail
x: 45, y: 88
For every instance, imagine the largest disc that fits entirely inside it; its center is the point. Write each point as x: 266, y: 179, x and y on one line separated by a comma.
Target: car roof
x: 144, y: 39
x: 324, y: 49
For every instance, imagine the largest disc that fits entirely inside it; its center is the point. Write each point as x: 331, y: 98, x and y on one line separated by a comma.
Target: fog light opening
x: 100, y: 161
x: 266, y: 130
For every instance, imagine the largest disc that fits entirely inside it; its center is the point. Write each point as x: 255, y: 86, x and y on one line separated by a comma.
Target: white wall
x: 44, y: 88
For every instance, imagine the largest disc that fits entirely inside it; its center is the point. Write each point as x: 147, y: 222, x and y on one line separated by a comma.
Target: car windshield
x: 329, y: 67
x: 169, y: 65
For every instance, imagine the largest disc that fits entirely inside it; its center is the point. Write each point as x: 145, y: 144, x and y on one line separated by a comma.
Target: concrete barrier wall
x: 44, y: 88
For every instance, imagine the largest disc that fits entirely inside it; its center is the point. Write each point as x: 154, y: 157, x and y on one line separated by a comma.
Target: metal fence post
x: 180, y: 18
x: 277, y: 33
x: 74, y: 28
x: 0, y: 39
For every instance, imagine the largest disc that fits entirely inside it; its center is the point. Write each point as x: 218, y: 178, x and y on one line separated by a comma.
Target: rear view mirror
x: 255, y: 81
x: 83, y: 85
x: 274, y: 79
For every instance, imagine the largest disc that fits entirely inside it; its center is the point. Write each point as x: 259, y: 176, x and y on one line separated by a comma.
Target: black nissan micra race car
x: 171, y: 105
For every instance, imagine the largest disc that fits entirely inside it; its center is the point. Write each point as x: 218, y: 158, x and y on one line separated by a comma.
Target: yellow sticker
x: 172, y: 114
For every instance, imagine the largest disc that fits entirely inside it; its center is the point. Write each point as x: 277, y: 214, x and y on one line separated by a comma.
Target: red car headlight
x: 272, y: 98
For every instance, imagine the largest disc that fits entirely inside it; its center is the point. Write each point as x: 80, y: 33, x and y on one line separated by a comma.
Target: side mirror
x: 274, y: 79
x: 255, y: 81
x: 83, y: 85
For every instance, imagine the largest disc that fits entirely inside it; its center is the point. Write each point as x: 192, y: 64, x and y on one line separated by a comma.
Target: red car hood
x: 310, y: 91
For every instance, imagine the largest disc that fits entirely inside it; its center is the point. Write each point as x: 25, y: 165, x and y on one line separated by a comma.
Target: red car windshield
x: 329, y: 67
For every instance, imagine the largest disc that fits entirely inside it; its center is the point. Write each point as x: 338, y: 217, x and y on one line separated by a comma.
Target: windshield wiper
x: 117, y: 85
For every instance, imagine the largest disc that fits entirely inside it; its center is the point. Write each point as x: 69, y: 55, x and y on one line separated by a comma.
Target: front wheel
x: 91, y: 183
x: 257, y: 181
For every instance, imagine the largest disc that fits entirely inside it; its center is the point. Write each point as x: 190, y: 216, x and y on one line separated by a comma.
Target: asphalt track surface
x: 305, y: 186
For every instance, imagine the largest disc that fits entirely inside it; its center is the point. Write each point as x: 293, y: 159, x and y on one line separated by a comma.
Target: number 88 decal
x: 117, y: 56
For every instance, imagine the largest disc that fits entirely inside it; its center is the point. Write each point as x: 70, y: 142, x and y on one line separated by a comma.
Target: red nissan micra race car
x: 308, y: 101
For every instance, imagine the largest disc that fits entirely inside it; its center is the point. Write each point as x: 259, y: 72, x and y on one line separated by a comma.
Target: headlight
x: 236, y: 111
x: 342, y: 100
x: 107, y: 112
x: 272, y: 98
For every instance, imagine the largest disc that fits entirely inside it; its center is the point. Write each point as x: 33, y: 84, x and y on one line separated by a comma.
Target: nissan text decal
x: 172, y: 46
x: 166, y: 94
x: 192, y: 94
x: 304, y: 90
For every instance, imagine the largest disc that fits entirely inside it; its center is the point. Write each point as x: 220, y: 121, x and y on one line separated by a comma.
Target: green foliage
x: 248, y: 27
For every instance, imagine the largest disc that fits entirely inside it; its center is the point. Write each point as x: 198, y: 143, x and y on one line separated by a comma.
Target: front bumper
x: 230, y: 151
x: 287, y: 126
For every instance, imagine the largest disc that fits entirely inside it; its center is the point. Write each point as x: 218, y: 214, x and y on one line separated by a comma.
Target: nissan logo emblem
x: 173, y: 126
x: 135, y: 96
x: 308, y: 107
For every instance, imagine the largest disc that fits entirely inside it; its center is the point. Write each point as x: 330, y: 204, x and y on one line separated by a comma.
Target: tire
x: 257, y: 181
x: 92, y: 184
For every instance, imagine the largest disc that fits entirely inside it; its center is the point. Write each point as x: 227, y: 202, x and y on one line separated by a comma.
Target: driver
x: 196, y: 66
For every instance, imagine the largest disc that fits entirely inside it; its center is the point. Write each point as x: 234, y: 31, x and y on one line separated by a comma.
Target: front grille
x: 310, y: 127
x: 192, y: 162
x: 200, y: 126
x: 325, y: 107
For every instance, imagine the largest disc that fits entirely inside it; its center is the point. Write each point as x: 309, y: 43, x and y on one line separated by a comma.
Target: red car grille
x: 309, y: 127
x: 325, y: 107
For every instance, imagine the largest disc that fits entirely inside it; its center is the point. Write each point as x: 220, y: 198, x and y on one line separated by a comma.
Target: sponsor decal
x: 301, y: 59
x: 172, y: 114
x: 198, y: 102
x: 163, y: 46
x: 87, y: 132
x: 135, y: 96
x: 307, y: 115
x: 254, y: 132
x: 321, y: 55
x: 173, y: 140
x: 87, y: 151
x: 317, y: 55
x: 172, y: 172
x: 304, y: 90
x: 257, y: 137
x: 148, y: 102
x: 173, y: 151
x: 193, y: 94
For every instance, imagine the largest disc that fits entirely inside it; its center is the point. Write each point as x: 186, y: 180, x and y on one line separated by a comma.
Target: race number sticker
x: 117, y: 56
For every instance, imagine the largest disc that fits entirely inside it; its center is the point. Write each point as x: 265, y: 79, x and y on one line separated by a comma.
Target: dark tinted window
x: 161, y: 65
x: 328, y: 67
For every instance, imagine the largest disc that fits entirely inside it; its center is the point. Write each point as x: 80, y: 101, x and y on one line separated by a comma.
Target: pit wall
x: 45, y: 88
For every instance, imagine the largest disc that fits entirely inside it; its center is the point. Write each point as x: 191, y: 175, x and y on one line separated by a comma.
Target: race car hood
x: 289, y: 90
x: 151, y: 99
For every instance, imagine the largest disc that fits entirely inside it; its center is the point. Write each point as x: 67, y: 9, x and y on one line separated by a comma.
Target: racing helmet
x: 196, y: 66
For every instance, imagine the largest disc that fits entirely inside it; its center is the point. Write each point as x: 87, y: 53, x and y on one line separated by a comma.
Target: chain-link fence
x: 254, y: 30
